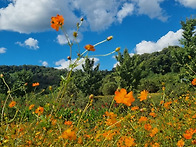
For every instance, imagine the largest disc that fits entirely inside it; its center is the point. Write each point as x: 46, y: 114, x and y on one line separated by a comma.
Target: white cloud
x: 188, y: 3
x: 127, y: 9
x: 61, y: 39
x: 170, y: 39
x: 26, y: 16
x: 44, y: 63
x: 2, y: 50
x: 151, y: 8
x: 30, y: 42
x: 62, y: 64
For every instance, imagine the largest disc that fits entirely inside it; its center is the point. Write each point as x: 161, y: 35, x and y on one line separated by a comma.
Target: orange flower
x: 35, y: 84
x: 89, y: 47
x: 31, y: 106
x: 167, y: 104
x: 143, y: 95
x: 54, y: 121
x: 12, y: 104
x: 69, y: 134
x: 134, y: 108
x: 129, y: 141
x: 152, y: 114
x: 39, y: 110
x: 109, y: 135
x: 68, y: 123
x: 155, y: 145
x: 57, y: 22
x: 194, y: 82
x: 142, y: 119
x: 153, y: 132
x: 180, y: 143
x: 147, y: 127
x: 189, y: 133
x: 122, y: 97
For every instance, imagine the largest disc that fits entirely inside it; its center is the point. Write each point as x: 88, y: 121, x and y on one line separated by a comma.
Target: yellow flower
x: 12, y: 104
x: 69, y: 134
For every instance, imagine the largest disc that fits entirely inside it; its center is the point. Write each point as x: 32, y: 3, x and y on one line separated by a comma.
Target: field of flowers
x: 127, y: 119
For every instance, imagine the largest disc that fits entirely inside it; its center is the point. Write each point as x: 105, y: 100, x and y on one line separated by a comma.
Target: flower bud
x: 91, y: 96
x: 75, y: 34
x: 81, y: 19
x: 50, y: 88
x: 1, y: 75
x: 69, y: 58
x: 117, y: 49
x: 109, y: 38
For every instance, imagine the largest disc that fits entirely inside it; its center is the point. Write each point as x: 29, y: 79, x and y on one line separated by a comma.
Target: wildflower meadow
x: 128, y: 117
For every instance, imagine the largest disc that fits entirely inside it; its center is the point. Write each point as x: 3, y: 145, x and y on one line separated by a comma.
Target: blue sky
x: 141, y: 26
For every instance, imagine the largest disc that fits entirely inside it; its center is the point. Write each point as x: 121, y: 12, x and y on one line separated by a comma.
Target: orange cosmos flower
x: 134, y: 108
x: 69, y: 134
x: 167, y: 104
x: 147, y: 127
x: 122, y: 97
x: 180, y: 143
x: 12, y: 104
x: 143, y: 95
x: 68, y: 123
x: 57, y: 22
x: 189, y: 133
x: 35, y: 84
x: 89, y: 47
x: 152, y: 114
x: 194, y: 82
x: 31, y: 106
x: 156, y: 145
x: 142, y: 119
x: 153, y: 132
x: 39, y: 110
x: 129, y: 141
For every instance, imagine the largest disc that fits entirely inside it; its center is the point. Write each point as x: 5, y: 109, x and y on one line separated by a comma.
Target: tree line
x: 171, y: 67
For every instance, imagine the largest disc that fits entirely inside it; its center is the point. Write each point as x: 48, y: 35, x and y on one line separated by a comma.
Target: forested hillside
x: 172, y: 66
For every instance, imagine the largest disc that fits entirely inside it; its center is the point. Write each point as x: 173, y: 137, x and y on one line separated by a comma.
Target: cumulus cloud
x: 170, y: 39
x: 62, y: 64
x: 44, y: 63
x: 127, y: 9
x: 151, y: 8
x: 30, y: 42
x: 26, y: 16
x: 2, y: 50
x: 188, y: 3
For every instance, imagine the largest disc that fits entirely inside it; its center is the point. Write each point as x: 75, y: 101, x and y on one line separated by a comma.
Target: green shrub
x: 109, y: 88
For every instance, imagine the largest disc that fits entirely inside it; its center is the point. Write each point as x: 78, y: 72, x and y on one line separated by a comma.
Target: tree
x: 128, y: 70
x: 189, y: 33
x: 88, y: 81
